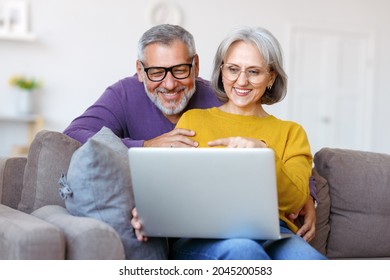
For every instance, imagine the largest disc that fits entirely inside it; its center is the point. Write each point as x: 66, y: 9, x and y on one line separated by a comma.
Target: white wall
x: 83, y: 46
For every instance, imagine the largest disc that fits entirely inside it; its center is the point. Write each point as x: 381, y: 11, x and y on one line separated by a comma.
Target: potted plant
x: 26, y: 87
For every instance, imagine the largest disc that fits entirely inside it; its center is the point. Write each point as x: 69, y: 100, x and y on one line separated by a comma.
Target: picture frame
x: 165, y: 12
x: 2, y: 20
x: 15, y: 17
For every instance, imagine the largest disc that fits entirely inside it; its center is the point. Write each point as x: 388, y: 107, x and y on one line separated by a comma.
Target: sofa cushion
x: 49, y: 156
x: 26, y: 237
x: 98, y: 185
x: 322, y: 213
x: 359, y: 184
x: 86, y: 238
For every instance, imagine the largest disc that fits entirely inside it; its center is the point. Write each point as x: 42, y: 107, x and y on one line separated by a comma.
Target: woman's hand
x: 137, y: 226
x: 238, y: 142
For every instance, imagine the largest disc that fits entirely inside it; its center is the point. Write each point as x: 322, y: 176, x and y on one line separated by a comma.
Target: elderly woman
x: 248, y: 72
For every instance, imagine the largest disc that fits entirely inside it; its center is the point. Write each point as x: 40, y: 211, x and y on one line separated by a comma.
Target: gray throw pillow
x: 49, y: 155
x: 98, y: 185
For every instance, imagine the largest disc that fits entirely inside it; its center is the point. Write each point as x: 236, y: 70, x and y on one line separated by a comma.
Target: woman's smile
x: 242, y: 92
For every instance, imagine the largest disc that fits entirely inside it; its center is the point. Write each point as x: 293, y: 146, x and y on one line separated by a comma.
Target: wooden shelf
x: 34, y: 125
x: 18, y: 118
x: 26, y: 37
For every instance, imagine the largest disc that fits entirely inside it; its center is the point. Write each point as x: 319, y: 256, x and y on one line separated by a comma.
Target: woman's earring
x: 269, y: 87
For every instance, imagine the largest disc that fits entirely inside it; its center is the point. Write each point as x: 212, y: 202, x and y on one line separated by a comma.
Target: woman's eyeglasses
x: 254, y: 74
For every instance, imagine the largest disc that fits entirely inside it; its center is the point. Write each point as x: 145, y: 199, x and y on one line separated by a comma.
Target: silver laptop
x: 206, y: 192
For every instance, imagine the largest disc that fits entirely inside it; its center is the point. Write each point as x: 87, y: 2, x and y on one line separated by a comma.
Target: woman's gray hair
x: 166, y: 34
x: 271, y: 51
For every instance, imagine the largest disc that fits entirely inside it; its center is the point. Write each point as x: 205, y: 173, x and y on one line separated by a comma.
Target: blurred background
x: 336, y: 56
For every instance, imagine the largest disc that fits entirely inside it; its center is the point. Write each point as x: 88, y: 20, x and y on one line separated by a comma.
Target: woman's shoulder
x: 287, y: 123
x: 194, y: 117
x: 198, y: 112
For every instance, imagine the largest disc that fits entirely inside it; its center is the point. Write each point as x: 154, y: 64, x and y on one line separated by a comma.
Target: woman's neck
x: 256, y: 110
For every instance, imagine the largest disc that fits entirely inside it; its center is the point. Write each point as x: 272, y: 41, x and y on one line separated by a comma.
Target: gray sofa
x: 353, y: 188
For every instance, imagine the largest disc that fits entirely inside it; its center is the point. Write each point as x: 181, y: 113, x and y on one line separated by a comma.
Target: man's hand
x: 137, y: 226
x: 308, y: 215
x: 177, y: 138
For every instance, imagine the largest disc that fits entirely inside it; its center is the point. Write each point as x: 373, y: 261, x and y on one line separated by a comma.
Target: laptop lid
x: 206, y: 192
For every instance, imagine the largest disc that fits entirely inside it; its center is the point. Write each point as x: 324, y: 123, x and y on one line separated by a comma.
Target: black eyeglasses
x: 157, y: 74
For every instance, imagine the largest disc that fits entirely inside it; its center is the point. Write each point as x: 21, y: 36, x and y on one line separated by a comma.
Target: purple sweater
x: 126, y: 109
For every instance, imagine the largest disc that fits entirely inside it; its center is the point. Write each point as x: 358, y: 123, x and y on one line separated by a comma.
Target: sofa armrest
x: 11, y: 180
x: 86, y: 238
x: 26, y: 237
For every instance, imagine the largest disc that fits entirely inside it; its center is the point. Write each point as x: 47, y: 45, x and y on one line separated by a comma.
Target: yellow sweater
x: 289, y: 141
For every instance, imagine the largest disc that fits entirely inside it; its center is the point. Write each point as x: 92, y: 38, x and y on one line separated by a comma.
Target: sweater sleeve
x: 293, y: 168
x: 106, y: 111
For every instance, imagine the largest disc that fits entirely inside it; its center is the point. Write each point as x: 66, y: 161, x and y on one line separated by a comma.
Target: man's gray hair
x: 166, y: 34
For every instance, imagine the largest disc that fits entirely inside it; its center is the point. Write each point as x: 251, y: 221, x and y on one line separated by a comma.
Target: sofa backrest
x: 11, y: 180
x: 49, y: 156
x: 359, y: 188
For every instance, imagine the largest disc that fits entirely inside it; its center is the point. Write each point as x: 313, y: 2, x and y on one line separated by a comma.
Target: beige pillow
x: 48, y: 158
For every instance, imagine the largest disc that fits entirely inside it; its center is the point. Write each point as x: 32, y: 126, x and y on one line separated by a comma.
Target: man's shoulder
x: 204, y: 88
x: 204, y: 96
x: 128, y: 82
x: 127, y: 89
x: 200, y: 82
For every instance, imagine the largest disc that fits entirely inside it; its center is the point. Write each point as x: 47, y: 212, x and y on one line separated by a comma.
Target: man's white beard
x: 171, y: 110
